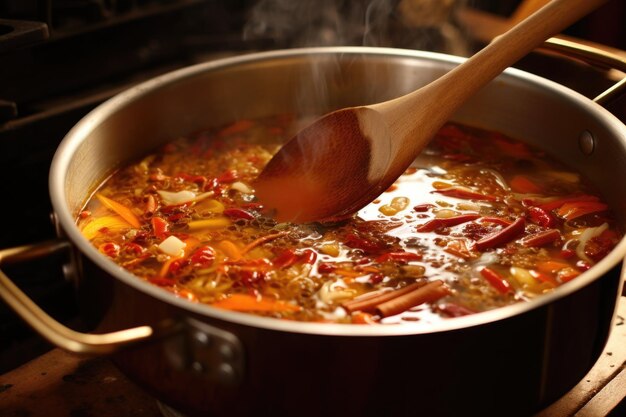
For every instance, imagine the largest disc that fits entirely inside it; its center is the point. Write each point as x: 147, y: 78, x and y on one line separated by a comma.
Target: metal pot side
x: 516, y: 358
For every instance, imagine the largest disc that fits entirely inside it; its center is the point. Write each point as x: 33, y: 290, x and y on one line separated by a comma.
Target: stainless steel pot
x: 211, y: 362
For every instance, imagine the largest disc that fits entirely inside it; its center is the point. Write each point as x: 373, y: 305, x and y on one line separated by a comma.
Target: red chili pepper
x: 496, y: 280
x: 134, y: 248
x: 211, y: 184
x: 420, y: 208
x: 543, y: 277
x: 541, y: 217
x: 402, y: 257
x: 228, y: 176
x: 175, y: 266
x: 376, y: 278
x: 110, y: 249
x: 84, y: 214
x: 325, y: 268
x: 567, y: 253
x: 446, y: 222
x: 503, y: 236
x: 159, y: 227
x: 237, y: 213
x: 285, y: 259
x: 464, y: 193
x: 307, y: 256
x: 203, y: 256
x: 454, y: 310
x: 541, y: 238
x: 250, y: 277
x: 197, y: 179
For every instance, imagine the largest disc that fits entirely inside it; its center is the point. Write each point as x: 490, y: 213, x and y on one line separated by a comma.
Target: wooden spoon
x: 346, y: 159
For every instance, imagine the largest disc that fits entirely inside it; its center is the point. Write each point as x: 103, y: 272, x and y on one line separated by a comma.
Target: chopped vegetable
x: 576, y: 209
x: 479, y: 221
x: 241, y: 187
x: 104, y: 224
x: 503, y: 236
x: 172, y: 246
x: 120, y: 209
x: 159, y: 227
x: 181, y: 197
x: 496, y: 280
x: 446, y: 222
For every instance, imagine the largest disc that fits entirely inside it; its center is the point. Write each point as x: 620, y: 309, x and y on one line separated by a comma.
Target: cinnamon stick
x: 368, y: 302
x: 427, y: 293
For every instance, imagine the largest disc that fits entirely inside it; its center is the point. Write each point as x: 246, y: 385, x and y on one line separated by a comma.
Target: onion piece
x: 333, y: 291
x: 585, y: 236
x: 172, y: 246
x: 181, y: 197
x: 241, y: 187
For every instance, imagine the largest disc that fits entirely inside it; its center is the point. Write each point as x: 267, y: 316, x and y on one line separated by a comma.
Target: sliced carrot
x: 522, y: 184
x: 576, y: 209
x: 120, y: 209
x: 550, y: 267
x: 243, y: 302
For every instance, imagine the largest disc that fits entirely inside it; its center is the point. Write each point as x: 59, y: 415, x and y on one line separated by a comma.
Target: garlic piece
x: 181, y: 197
x: 172, y: 246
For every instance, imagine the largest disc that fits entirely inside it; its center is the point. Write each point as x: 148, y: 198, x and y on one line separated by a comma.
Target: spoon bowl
x: 347, y: 158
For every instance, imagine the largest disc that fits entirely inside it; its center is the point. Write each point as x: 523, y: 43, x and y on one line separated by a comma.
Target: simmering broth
x: 479, y: 221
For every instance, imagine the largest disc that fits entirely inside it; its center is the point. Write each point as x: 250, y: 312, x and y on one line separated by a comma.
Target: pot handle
x: 49, y: 328
x: 191, y: 345
x: 596, y: 57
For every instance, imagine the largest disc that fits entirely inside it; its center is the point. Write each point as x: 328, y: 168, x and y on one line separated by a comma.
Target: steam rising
x: 329, y: 84
x: 414, y: 24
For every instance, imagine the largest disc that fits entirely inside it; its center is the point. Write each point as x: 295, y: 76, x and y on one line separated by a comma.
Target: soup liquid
x: 479, y: 221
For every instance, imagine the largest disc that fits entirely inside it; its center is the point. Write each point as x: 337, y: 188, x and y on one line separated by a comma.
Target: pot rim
x: 82, y: 129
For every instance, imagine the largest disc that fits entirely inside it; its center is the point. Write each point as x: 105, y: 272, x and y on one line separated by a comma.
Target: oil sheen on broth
x: 479, y: 221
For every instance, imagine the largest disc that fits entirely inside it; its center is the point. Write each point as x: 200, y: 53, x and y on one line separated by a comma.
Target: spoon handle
x: 449, y: 92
